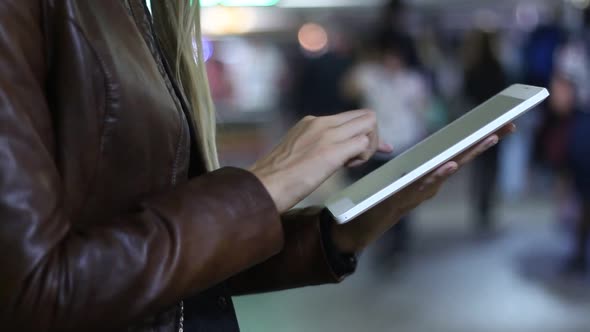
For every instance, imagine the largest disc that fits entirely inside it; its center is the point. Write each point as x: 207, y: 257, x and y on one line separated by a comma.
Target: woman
x: 109, y: 220
x: 399, y: 96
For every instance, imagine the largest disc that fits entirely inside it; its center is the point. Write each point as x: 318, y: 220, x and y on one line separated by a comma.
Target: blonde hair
x: 177, y: 24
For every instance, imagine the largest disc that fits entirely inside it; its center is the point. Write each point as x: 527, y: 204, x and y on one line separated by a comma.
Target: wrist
x: 271, y: 187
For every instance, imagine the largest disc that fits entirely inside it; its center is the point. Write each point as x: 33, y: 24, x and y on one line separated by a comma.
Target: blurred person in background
x: 392, y: 27
x: 579, y: 159
x: 553, y: 143
x: 255, y: 68
x: 389, y: 82
x: 563, y: 105
x: 114, y: 212
x: 220, y: 83
x: 483, y: 78
x: 521, y: 150
x: 400, y: 97
x: 441, y: 69
x: 539, y: 52
x: 571, y: 97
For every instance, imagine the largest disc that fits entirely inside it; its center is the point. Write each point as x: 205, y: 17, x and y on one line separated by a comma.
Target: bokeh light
x: 313, y: 38
x: 228, y: 20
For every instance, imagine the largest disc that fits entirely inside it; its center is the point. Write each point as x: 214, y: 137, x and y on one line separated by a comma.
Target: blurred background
x: 504, y: 246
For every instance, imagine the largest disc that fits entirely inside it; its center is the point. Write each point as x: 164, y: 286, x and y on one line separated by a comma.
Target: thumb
x: 384, y: 147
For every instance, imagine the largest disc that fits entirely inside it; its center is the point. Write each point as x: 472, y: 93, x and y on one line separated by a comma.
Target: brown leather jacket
x: 107, y: 219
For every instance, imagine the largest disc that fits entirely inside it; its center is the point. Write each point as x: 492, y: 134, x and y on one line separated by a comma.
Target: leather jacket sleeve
x: 59, y: 277
x: 308, y: 258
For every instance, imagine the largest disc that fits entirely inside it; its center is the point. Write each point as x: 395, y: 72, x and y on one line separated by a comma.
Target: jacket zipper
x: 184, y: 116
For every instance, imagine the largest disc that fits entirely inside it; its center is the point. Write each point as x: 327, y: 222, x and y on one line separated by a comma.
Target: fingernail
x: 453, y: 170
x: 493, y: 142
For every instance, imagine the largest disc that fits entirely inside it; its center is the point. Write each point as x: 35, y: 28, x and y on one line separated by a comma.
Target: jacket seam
x: 105, y: 101
x: 107, y: 96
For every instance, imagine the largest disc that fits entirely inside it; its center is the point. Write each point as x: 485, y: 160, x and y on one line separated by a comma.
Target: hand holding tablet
x: 434, y: 151
x: 365, y: 229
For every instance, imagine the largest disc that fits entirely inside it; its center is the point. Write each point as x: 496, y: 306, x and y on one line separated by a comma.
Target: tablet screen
x: 431, y: 147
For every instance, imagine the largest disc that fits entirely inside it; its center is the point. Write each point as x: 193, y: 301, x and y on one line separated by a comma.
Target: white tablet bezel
x: 344, y: 209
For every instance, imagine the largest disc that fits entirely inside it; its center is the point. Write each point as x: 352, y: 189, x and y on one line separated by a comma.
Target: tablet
x: 434, y: 151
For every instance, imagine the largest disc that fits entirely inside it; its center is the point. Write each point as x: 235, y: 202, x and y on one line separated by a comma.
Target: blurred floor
x: 453, y: 280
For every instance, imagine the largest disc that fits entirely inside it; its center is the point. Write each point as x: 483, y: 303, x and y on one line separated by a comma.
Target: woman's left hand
x: 367, y: 228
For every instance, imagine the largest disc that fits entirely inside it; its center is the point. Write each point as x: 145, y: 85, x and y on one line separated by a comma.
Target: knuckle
x: 364, y: 141
x: 364, y: 157
x: 372, y: 115
x: 371, y: 121
x: 363, y: 147
x: 308, y: 118
x: 440, y: 177
x: 316, y: 122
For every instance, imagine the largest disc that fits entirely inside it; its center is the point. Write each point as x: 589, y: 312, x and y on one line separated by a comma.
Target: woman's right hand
x: 315, y: 149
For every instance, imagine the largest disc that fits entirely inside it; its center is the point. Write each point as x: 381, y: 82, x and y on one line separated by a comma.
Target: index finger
x: 342, y: 118
x: 486, y: 144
